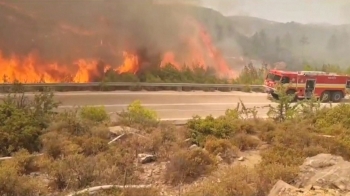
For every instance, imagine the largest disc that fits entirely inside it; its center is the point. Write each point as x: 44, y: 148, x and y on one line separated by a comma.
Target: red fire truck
x: 305, y: 84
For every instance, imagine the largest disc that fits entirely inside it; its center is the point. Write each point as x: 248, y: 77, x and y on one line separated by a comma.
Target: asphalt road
x: 169, y: 105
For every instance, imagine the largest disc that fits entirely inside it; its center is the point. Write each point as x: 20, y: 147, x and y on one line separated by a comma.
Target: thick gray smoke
x: 67, y: 30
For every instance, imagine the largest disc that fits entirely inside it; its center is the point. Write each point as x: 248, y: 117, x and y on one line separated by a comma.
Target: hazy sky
x: 304, y: 11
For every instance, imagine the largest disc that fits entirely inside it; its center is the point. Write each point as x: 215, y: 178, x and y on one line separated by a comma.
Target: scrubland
x: 60, y: 153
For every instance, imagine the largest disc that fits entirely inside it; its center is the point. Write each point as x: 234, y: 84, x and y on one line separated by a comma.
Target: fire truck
x: 305, y: 84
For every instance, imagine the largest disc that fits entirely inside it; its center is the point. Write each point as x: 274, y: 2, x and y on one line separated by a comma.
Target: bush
x: 269, y: 174
x: 234, y: 181
x: 223, y: 127
x: 245, y: 142
x: 22, y: 120
x: 137, y: 114
x: 12, y: 183
x: 56, y: 145
x: 70, y: 135
x: 67, y: 122
x: 329, y: 117
x: 221, y: 147
x: 14, y: 179
x: 186, y: 166
x: 94, y: 114
x: 73, y: 172
x: 24, y: 162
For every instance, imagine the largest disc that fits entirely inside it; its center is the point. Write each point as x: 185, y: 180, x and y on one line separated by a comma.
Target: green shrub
x: 137, y: 114
x: 337, y: 115
x: 96, y: 114
x: 22, y: 120
x: 222, y: 127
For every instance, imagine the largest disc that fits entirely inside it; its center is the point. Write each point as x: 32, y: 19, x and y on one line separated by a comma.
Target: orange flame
x: 169, y: 58
x: 130, y: 65
x: 28, y: 69
x: 202, y: 52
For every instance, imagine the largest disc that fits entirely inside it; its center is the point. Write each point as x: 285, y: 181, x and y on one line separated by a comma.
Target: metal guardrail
x: 133, y: 84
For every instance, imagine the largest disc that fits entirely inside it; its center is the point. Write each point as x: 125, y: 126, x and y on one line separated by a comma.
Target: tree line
x: 298, y: 49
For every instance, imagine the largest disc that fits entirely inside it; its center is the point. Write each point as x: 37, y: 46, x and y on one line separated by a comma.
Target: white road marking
x: 173, y: 104
x: 191, y: 104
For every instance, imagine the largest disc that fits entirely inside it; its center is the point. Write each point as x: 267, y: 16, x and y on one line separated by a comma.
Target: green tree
x: 287, y: 41
x: 304, y: 41
x: 333, y: 44
x: 278, y: 47
x: 285, y: 109
x: 257, y: 45
x: 308, y: 67
x: 263, y: 39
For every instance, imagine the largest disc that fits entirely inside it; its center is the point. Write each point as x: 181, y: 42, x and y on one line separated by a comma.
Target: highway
x: 169, y: 105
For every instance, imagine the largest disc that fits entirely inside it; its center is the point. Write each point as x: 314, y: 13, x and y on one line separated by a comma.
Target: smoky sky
x: 303, y: 11
x: 67, y: 30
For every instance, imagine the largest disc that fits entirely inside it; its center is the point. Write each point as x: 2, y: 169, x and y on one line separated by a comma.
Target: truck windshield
x: 285, y: 80
x: 273, y: 77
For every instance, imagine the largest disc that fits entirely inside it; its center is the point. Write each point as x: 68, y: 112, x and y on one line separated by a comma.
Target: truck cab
x: 273, y: 78
x: 307, y: 84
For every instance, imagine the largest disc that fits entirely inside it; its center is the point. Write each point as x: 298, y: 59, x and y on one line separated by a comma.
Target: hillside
x: 295, y: 43
x: 250, y: 25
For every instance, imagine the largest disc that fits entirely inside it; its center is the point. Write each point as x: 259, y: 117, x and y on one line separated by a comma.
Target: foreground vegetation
x: 62, y: 152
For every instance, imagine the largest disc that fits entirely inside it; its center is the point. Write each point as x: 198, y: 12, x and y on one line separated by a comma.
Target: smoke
x: 224, y: 6
x: 65, y: 30
x: 345, y: 12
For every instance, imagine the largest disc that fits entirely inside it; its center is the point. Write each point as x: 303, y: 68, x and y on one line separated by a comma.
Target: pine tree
x: 332, y: 44
x: 304, y: 41
x: 278, y: 47
x: 287, y: 41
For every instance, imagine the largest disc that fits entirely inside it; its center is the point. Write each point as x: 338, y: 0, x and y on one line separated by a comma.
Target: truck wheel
x: 326, y: 96
x: 292, y: 93
x: 337, y: 96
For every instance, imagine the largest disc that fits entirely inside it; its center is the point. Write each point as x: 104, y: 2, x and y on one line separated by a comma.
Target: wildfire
x: 199, y: 51
x: 202, y: 52
x: 130, y: 65
x: 30, y: 70
x: 169, y: 58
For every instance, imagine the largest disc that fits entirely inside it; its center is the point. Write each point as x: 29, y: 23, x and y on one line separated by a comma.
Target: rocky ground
x: 324, y: 174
